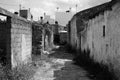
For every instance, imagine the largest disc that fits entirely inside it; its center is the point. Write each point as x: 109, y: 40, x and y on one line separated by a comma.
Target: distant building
x: 63, y: 17
x: 47, y: 18
x: 26, y: 14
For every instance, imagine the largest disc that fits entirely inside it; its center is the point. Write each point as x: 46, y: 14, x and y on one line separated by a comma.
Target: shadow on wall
x: 96, y: 70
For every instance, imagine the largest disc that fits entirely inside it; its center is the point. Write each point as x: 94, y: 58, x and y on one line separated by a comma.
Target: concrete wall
x: 21, y: 41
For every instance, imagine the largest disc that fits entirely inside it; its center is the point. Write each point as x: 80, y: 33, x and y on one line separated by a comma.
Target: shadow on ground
x: 79, y: 68
x: 61, y: 54
x: 69, y: 71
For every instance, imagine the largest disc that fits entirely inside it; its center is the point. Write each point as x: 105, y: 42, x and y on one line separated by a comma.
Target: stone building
x: 98, y: 29
x: 16, y: 39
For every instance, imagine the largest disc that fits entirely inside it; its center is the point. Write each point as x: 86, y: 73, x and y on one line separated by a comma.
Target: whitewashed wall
x: 106, y: 49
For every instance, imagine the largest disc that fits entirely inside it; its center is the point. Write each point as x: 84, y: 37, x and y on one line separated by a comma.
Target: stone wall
x: 15, y: 39
x: 36, y: 38
x: 3, y: 30
x: 21, y: 41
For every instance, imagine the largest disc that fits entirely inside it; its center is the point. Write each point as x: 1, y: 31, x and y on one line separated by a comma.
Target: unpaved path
x: 59, y: 66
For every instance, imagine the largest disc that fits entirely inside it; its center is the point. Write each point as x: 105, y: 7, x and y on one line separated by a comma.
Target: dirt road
x: 59, y: 66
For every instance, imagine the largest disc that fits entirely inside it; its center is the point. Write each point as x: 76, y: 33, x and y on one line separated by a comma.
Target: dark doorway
x: 3, y: 39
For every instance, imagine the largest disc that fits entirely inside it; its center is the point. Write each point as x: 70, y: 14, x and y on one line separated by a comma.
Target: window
x: 104, y: 31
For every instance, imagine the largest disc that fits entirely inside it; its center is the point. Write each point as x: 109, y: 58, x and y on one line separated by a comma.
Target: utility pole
x: 76, y: 7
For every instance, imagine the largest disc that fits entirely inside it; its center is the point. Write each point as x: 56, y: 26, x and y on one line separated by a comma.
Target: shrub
x: 22, y: 72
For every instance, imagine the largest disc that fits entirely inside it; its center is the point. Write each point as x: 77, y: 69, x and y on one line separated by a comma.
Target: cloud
x: 81, y: 4
x: 11, y: 10
x: 45, y: 7
x: 96, y: 2
x: 37, y: 12
x: 22, y: 2
x: 38, y: 7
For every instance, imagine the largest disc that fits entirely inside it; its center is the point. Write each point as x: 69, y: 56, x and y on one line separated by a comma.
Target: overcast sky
x: 38, y: 7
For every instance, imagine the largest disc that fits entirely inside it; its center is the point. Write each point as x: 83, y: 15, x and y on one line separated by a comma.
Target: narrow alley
x: 60, y: 40
x: 59, y: 66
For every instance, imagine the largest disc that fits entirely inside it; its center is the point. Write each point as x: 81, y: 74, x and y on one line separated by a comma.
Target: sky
x: 39, y: 7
